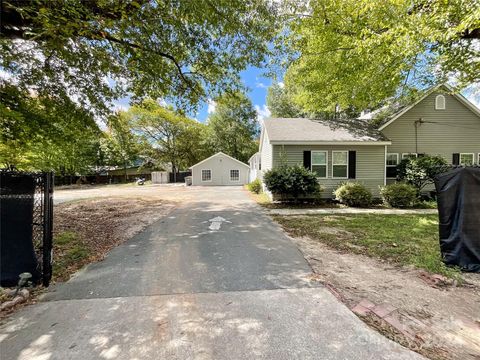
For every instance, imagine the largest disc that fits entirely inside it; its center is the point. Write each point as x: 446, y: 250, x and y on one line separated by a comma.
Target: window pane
x: 234, y: 175
x: 340, y: 158
x: 339, y: 171
x: 320, y: 170
x: 319, y: 157
x: 466, y: 159
x: 391, y: 172
x: 206, y: 175
x: 391, y: 159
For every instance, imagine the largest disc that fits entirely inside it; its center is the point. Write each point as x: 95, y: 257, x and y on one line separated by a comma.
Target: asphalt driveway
x: 215, y: 279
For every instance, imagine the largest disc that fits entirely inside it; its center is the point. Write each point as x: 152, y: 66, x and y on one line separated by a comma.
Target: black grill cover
x: 16, y: 217
x: 458, y: 196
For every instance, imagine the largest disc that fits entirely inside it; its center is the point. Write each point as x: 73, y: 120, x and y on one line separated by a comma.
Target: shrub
x: 399, y: 195
x: 255, y: 186
x: 292, y: 181
x: 353, y: 194
x: 421, y: 171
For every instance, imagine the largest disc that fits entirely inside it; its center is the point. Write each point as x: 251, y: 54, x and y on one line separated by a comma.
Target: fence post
x: 47, y: 228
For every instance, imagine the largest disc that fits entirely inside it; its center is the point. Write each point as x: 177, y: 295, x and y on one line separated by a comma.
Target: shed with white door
x: 220, y: 169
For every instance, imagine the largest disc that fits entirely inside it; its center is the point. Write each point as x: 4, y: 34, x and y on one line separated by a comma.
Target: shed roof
x: 300, y: 130
x: 220, y: 154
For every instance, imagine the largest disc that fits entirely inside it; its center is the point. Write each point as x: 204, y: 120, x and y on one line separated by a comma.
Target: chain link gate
x: 26, y: 207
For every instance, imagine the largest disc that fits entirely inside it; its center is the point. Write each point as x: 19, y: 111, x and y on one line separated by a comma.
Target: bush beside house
x: 420, y: 172
x: 292, y: 182
x: 399, y: 195
x: 353, y: 194
x: 255, y: 186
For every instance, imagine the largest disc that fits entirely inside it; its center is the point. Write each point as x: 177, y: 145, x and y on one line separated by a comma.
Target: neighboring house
x: 220, y: 169
x: 438, y: 123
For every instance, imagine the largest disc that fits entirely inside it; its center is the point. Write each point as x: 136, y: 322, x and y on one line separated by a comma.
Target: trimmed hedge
x: 399, y: 195
x: 353, y: 194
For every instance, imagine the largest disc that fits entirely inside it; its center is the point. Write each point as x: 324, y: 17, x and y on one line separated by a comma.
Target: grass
x: 69, y: 255
x: 400, y: 239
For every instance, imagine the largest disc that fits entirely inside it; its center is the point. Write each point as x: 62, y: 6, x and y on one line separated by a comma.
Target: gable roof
x: 402, y: 110
x: 219, y: 154
x: 310, y: 131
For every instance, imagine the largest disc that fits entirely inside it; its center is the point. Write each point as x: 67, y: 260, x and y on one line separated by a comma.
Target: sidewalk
x: 347, y: 210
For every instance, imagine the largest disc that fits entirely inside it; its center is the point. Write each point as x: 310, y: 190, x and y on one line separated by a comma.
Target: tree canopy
x: 95, y: 51
x: 169, y: 138
x: 233, y: 127
x: 40, y: 133
x: 280, y: 103
x: 360, y: 52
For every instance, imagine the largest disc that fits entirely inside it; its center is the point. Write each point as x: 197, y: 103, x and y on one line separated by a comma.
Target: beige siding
x: 370, y: 163
x: 266, y: 155
x: 444, y: 132
x: 220, y: 166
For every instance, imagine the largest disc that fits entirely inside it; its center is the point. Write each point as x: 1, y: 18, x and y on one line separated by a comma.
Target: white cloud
x: 261, y: 85
x: 281, y: 84
x: 262, y: 112
x: 211, y: 106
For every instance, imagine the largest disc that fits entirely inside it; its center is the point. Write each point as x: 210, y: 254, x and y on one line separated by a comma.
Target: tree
x: 95, y: 51
x: 280, y: 103
x: 360, y: 52
x: 46, y: 133
x: 233, y: 126
x: 121, y: 147
x: 421, y: 171
x: 168, y: 137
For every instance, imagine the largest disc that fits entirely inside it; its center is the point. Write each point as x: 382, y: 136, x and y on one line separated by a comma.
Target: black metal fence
x: 26, y: 212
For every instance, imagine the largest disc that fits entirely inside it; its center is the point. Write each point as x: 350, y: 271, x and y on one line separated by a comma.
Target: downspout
x: 385, y: 167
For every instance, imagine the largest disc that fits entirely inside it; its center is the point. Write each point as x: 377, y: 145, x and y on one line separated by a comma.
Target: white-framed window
x: 319, y: 163
x: 440, y: 102
x: 409, y: 155
x: 234, y: 175
x: 340, y: 164
x: 206, y: 175
x: 467, y: 159
x: 391, y: 163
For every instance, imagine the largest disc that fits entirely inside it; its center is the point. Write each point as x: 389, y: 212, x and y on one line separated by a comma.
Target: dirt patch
x: 85, y: 231
x: 445, y: 319
x: 102, y: 224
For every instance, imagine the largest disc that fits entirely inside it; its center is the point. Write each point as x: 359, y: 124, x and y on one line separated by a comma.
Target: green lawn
x: 401, y: 239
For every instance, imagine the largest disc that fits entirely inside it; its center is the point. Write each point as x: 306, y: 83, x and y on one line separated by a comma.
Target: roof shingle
x: 310, y: 130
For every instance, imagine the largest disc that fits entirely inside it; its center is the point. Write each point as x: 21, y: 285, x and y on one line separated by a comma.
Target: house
x: 439, y: 123
x: 220, y: 169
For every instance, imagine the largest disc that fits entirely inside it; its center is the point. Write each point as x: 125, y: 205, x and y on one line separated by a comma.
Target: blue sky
x: 256, y: 89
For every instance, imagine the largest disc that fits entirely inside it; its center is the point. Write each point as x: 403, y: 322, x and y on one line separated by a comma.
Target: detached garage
x: 220, y: 169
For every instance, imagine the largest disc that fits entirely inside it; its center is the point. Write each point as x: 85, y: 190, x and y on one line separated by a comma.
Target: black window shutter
x: 456, y: 159
x: 307, y: 159
x: 421, y: 155
x: 352, y: 164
